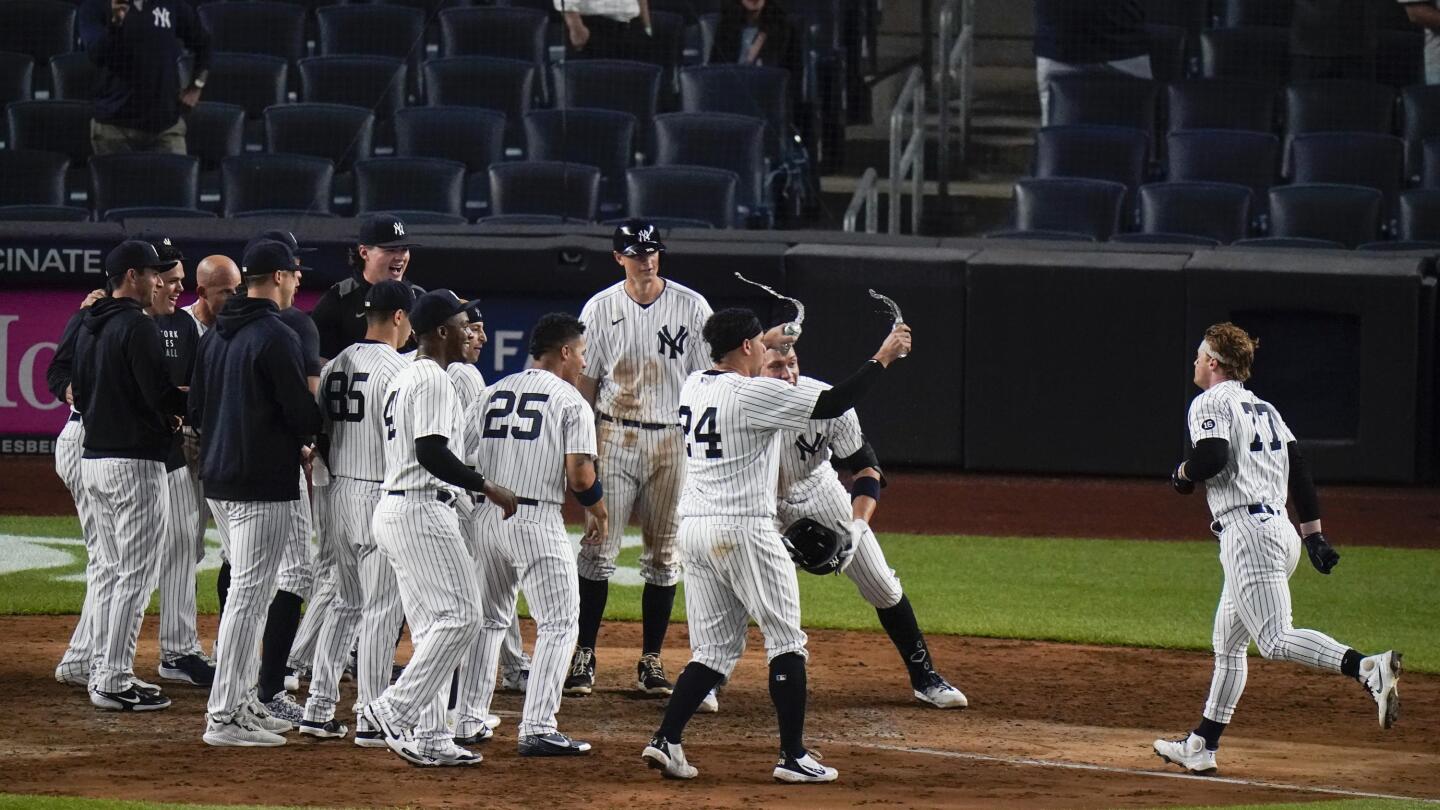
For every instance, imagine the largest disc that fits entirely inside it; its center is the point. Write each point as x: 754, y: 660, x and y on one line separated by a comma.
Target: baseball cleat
x: 484, y: 735
x: 144, y: 686
x: 650, y: 676
x: 553, y: 744
x: 328, y: 730
x: 514, y: 679
x: 255, y: 710
x: 939, y: 693
x: 370, y: 739
x: 1381, y: 674
x: 396, y: 739
x: 492, y: 721
x: 668, y: 758
x: 711, y: 703
x: 581, y: 680
x: 284, y: 707
x: 240, y: 732
x: 193, y: 669
x: 803, y: 770
x: 452, y: 756
x: 129, y: 699
x: 1189, y: 753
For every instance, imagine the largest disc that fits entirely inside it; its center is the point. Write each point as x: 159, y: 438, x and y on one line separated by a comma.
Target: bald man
x: 216, y: 278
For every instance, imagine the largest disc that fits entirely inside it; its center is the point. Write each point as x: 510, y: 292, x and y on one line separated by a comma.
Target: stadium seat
x: 1167, y: 52
x: 683, y: 192
x: 1292, y: 242
x: 604, y: 139
x: 258, y: 182
x: 1250, y: 53
x: 1420, y: 119
x: 1338, y: 105
x: 32, y: 177
x: 73, y: 76
x: 1350, y: 158
x: 734, y: 143
x: 609, y: 84
x: 372, y: 30
x: 339, y: 133
x: 1349, y: 215
x: 376, y: 83
x: 155, y: 212
x: 1041, y: 236
x: 410, y: 184
x: 283, y: 213
x: 17, y: 74
x: 1116, y: 154
x: 503, y: 85
x: 1429, y: 162
x: 143, y: 179
x: 1399, y: 245
x: 1090, y: 208
x: 569, y: 190
x: 1400, y: 59
x: 1163, y: 239
x: 469, y: 135
x: 43, y: 213
x: 1226, y: 156
x: 1420, y: 215
x: 40, y: 29
x: 510, y: 33
x: 1256, y: 12
x: 54, y: 126
x: 251, y: 81
x: 1117, y: 101
x: 1219, y: 212
x: 257, y: 27
x: 1221, y: 104
x: 759, y: 92
x: 524, y: 219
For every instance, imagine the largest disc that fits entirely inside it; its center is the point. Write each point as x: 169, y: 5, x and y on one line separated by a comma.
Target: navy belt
x: 441, y: 495
x: 526, y: 501
x: 631, y: 423
x: 1254, y: 509
x: 74, y: 417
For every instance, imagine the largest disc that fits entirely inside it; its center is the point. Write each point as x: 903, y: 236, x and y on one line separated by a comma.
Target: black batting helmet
x: 635, y: 237
x: 813, y: 546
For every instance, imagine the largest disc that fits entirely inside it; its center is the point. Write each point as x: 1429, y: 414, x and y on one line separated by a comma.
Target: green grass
x: 1147, y: 594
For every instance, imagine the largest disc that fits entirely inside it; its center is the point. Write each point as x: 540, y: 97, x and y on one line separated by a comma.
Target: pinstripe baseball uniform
x: 80, y: 655
x: 351, y: 397
x: 736, y: 567
x: 641, y: 356
x: 810, y: 488
x: 520, y: 432
x: 418, y: 531
x: 1259, y: 547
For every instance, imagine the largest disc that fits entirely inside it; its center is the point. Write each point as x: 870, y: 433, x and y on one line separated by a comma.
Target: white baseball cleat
x: 324, y: 729
x: 803, y: 770
x: 450, y: 755
x: 397, y: 739
x: 711, y: 703
x: 1189, y: 753
x: 255, y: 710
x: 668, y: 758
x: 492, y: 721
x: 240, y: 732
x: 939, y: 693
x: 1380, y: 674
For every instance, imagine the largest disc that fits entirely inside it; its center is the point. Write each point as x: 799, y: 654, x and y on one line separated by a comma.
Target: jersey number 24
x: 705, y: 432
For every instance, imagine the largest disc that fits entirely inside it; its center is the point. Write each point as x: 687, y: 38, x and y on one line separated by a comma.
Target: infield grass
x: 1120, y: 592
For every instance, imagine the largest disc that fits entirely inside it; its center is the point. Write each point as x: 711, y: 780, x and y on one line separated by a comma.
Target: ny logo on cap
x: 165, y: 241
x: 399, y: 227
x: 646, y: 234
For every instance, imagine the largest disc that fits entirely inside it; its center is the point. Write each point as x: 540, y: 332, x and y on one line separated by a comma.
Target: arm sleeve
x: 434, y: 455
x: 777, y: 405
x: 1207, y: 459
x: 145, y: 350
x: 326, y: 317
x: 194, y: 35
x: 61, y: 369
x: 101, y: 41
x: 281, y: 364
x: 843, y: 397
x: 1302, y: 486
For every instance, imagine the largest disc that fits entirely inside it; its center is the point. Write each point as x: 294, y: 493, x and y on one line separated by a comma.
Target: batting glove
x: 1322, y: 556
x: 1181, y: 485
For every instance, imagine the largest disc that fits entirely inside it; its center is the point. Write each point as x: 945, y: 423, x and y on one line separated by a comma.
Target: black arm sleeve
x: 434, y: 455
x: 1207, y: 459
x: 860, y: 459
x: 1302, y: 486
x: 326, y: 317
x: 843, y: 397
x: 57, y: 376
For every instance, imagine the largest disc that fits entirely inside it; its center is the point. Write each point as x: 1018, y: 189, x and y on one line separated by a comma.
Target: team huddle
x: 434, y: 499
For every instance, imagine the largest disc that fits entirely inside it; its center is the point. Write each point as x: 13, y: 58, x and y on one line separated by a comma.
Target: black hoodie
x: 120, y: 385
x: 249, y: 400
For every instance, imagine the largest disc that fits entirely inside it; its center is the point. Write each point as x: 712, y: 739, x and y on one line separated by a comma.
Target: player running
x: 535, y: 430
x: 1246, y: 455
x: 736, y: 566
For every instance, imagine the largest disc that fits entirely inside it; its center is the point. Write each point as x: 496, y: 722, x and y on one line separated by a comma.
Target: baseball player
x: 809, y: 488
x: 255, y: 415
x: 75, y: 664
x: 352, y: 441
x: 1248, y: 458
x: 130, y: 408
x: 383, y: 252
x: 535, y: 430
x: 736, y: 565
x: 417, y: 529
x: 643, y: 337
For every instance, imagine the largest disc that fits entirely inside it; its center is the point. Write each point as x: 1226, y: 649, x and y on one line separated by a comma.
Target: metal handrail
x: 957, y: 68
x: 866, y: 196
x: 908, y: 160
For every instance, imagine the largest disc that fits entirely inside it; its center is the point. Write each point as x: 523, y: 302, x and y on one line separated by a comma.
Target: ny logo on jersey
x: 674, y: 344
x: 810, y: 448
x: 162, y: 17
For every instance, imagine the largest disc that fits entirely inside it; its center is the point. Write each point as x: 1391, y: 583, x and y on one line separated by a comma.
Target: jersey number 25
x: 502, y: 404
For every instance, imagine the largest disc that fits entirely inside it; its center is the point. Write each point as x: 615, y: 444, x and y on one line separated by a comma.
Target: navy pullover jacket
x: 139, y: 82
x: 121, y: 387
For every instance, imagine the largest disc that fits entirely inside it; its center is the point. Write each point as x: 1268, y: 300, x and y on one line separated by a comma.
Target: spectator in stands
x: 606, y: 29
x: 755, y: 32
x: 1334, y: 39
x: 136, y: 44
x: 1088, y: 36
x: 1426, y: 14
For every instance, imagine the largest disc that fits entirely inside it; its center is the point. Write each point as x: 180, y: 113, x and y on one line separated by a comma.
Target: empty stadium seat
x: 144, y: 179
x: 1350, y: 158
x: 251, y: 81
x: 1420, y: 215
x: 472, y: 136
x: 73, y: 76
x: 685, y: 192
x: 256, y: 27
x: 372, y: 30
x: 604, y: 139
x: 1118, y: 101
x: 1116, y: 154
x: 503, y: 85
x: 337, y: 132
x: 213, y: 132
x: 1212, y: 211
x: 609, y: 84
x: 733, y: 143
x: 510, y: 33
x: 258, y: 182
x: 1256, y: 12
x: 1090, y: 208
x: 54, y: 126
x: 155, y: 212
x: 17, y: 75
x: 524, y: 219
x: 1041, y: 236
x: 1249, y: 159
x: 1163, y: 239
x: 1292, y: 242
x: 1420, y: 119
x: 40, y: 29
x: 569, y: 190
x: 759, y: 92
x: 32, y: 177
x: 1338, y: 105
x: 1221, y: 104
x: 43, y: 213
x: 1251, y: 53
x: 1349, y: 215
x: 376, y: 83
x: 410, y: 184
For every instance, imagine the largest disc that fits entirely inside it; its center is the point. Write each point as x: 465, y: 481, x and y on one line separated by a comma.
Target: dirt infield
x: 1049, y: 704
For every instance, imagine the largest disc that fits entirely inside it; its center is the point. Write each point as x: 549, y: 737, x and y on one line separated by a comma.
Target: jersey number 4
x: 344, y: 401
x: 705, y: 432
x: 1258, y: 410
x: 502, y: 404
x: 389, y: 415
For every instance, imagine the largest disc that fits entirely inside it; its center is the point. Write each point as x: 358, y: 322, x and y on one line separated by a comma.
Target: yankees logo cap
x: 134, y: 254
x: 163, y: 246
x: 383, y: 230
x: 472, y: 311
x: 433, y: 309
x: 636, y: 237
x: 264, y: 256
x: 390, y: 295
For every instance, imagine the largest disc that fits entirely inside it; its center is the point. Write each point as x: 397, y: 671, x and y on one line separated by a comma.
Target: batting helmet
x: 813, y: 546
x: 635, y: 237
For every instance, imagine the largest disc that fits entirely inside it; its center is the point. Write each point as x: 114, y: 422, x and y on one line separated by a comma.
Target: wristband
x: 865, y: 486
x: 591, y: 496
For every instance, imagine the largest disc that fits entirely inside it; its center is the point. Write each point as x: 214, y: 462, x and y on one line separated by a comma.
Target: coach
x: 383, y: 253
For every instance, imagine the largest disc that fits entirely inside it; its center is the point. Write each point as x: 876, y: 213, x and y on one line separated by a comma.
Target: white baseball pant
x: 642, y: 471
x: 302, y: 651
x: 297, y: 571
x: 350, y: 506
x: 829, y: 504
x: 81, y: 655
x: 512, y: 646
x: 180, y: 550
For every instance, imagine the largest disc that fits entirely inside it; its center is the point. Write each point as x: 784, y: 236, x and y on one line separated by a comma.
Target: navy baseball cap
x: 265, y: 256
x: 390, y: 295
x: 134, y: 254
x: 383, y: 230
x: 163, y: 246
x: 472, y: 311
x: 635, y: 237
x: 287, y: 238
x: 433, y: 309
